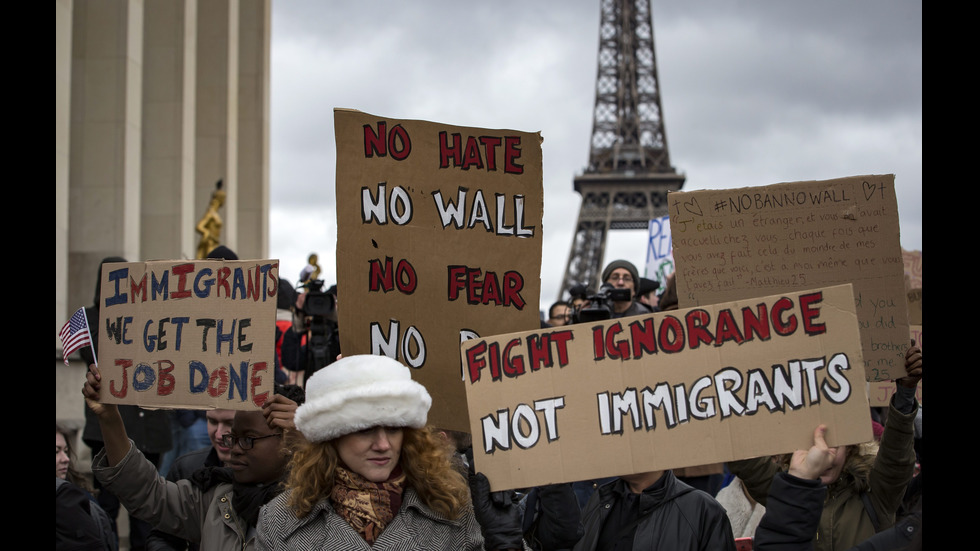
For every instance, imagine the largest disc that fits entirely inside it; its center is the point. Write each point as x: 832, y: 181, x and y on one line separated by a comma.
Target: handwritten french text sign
x: 672, y: 389
x: 438, y: 240
x: 880, y: 392
x: 184, y: 334
x: 913, y: 268
x: 740, y: 243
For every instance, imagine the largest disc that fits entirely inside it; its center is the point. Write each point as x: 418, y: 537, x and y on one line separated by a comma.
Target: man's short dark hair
x: 551, y: 311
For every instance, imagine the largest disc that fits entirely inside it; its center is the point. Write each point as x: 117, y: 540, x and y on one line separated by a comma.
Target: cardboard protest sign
x: 438, y: 240
x: 740, y: 243
x: 880, y: 392
x: 913, y: 268
x: 660, y: 250
x: 195, y: 334
x: 672, y: 389
x: 915, y: 306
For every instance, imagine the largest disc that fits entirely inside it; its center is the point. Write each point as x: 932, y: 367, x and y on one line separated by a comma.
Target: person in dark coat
x: 654, y: 510
x: 552, y: 518
x: 622, y: 274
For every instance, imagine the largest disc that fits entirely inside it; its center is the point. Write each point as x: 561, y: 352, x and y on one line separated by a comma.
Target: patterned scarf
x: 367, y: 506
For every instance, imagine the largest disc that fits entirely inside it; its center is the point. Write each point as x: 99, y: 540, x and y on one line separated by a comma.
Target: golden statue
x: 209, y: 226
x: 311, y: 271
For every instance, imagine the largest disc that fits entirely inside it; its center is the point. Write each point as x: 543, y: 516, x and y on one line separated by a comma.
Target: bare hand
x: 90, y: 390
x: 813, y: 462
x: 913, y: 367
x: 279, y: 412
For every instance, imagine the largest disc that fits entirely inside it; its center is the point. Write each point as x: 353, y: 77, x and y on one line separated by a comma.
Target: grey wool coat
x: 414, y: 527
x: 177, y: 508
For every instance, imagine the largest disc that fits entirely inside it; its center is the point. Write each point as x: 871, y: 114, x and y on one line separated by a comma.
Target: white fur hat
x: 359, y: 392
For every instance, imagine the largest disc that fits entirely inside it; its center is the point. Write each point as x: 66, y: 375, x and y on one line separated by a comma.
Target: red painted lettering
x: 181, y: 270
x: 616, y: 349
x: 696, y: 331
x: 254, y: 380
x: 222, y: 281
x: 475, y: 361
x: 809, y: 311
x: 513, y: 365
x: 137, y: 289
x: 512, y: 152
x: 381, y: 143
x: 783, y: 326
x: 121, y: 393
x: 165, y: 381
x: 218, y: 383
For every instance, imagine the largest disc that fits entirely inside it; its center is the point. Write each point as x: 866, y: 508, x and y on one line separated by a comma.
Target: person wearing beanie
x: 622, y: 274
x: 646, y: 294
x: 367, y: 472
x: 221, y: 253
x: 217, y: 507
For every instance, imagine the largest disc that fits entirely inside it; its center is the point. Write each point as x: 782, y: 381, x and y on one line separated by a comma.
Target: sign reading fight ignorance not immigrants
x: 438, y: 241
x: 672, y: 389
x: 188, y: 334
x: 740, y: 243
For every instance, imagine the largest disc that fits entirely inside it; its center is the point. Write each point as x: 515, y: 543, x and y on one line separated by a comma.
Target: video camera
x: 600, y: 305
x: 323, y: 340
x: 318, y: 303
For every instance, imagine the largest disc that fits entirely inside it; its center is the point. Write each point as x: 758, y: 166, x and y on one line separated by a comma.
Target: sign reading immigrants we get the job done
x: 667, y: 390
x: 188, y: 334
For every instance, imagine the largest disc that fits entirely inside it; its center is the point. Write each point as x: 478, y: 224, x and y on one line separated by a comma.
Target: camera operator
x: 616, y: 296
x: 314, y: 339
x: 622, y: 274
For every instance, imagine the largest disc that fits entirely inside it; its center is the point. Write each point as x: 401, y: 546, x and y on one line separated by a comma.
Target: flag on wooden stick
x: 75, y: 334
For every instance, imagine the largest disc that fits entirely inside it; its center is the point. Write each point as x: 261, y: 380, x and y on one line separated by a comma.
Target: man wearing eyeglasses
x: 218, y: 507
x: 622, y: 274
x: 559, y: 314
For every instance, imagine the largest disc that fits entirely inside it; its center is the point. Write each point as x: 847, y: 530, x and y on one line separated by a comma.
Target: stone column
x: 216, y: 145
x: 169, y: 112
x: 253, y: 128
x: 104, y: 136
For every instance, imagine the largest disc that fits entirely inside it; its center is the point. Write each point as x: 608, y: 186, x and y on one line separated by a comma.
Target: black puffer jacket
x: 676, y: 518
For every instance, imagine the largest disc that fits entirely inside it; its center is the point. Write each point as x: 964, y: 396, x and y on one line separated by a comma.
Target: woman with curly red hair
x: 366, y: 472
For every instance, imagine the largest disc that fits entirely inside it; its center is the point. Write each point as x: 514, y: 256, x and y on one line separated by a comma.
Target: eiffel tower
x: 629, y: 173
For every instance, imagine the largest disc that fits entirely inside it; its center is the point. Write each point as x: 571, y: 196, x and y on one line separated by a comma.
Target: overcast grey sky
x: 754, y: 92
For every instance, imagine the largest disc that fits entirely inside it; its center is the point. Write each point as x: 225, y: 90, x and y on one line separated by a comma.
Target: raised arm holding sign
x: 865, y: 483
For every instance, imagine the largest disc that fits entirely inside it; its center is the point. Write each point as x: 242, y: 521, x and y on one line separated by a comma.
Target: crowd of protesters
x: 343, y: 457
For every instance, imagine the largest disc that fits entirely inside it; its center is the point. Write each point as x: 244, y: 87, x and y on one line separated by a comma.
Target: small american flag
x: 75, y: 334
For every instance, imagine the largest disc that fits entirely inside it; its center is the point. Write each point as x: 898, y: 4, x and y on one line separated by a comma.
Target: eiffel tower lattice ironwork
x: 629, y: 173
